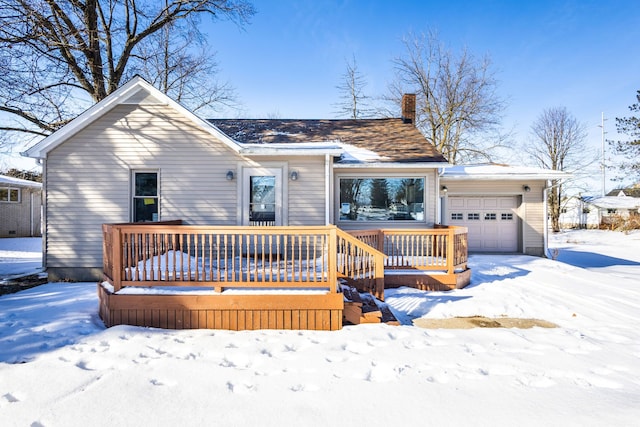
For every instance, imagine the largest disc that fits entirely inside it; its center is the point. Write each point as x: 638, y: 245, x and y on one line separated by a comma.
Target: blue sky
x: 583, y: 55
x: 580, y: 54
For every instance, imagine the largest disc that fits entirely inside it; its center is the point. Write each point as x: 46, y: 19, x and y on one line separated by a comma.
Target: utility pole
x: 603, y: 164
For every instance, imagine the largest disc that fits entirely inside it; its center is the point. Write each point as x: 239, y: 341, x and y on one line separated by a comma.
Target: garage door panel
x: 491, y: 221
x: 473, y: 203
x: 456, y: 203
x: 508, y: 202
x: 490, y: 203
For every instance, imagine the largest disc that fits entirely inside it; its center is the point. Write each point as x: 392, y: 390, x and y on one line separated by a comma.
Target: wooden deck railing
x: 360, y: 263
x: 443, y: 248
x: 152, y: 254
x: 171, y: 254
x: 238, y: 257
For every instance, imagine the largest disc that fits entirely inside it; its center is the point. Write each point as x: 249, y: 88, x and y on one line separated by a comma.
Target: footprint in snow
x: 302, y: 387
x: 382, y: 372
x: 226, y: 363
x: 10, y: 398
x: 243, y: 388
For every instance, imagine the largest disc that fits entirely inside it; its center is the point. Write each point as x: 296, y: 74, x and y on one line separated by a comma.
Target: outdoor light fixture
x: 526, y: 188
x: 444, y: 188
x: 230, y: 175
x: 294, y: 176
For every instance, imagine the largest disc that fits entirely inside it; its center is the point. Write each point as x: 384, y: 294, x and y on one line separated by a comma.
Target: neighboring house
x: 633, y: 191
x: 140, y: 156
x: 592, y: 212
x: 20, y: 206
x: 502, y: 206
x: 610, y: 206
x: 578, y: 212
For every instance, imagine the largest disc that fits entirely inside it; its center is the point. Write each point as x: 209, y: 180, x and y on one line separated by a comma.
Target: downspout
x: 31, y: 213
x: 327, y: 190
x: 43, y: 211
x: 545, y: 195
x: 438, y: 218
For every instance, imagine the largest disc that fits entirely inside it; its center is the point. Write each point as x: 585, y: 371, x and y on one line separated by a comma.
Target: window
x: 9, y: 195
x: 473, y: 217
x: 489, y: 216
x: 381, y: 199
x: 457, y: 217
x: 145, y: 196
x: 506, y: 216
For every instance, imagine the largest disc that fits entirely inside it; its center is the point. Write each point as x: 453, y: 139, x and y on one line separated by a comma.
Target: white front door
x: 262, y: 196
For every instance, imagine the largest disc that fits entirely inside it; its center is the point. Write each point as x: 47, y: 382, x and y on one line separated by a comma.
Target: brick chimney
x: 409, y: 108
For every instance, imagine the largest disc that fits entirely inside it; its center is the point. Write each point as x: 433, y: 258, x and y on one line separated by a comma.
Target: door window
x: 262, y: 199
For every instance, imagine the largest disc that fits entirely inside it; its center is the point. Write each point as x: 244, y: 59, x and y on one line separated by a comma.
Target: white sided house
x: 20, y: 206
x: 138, y: 156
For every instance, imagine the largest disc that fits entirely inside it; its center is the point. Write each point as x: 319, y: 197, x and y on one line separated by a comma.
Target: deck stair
x: 362, y: 307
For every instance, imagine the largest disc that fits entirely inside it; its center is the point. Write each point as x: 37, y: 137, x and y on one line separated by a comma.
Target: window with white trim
x: 9, y: 195
x: 146, y: 200
x: 457, y: 216
x: 381, y: 199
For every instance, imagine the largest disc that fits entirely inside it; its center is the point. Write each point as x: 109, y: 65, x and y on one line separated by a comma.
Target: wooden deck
x: 178, y: 276
x: 419, y: 258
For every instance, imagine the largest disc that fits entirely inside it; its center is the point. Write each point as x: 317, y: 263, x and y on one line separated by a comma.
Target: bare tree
x: 354, y: 103
x: 56, y: 57
x: 457, y: 108
x: 176, y: 61
x: 558, y: 144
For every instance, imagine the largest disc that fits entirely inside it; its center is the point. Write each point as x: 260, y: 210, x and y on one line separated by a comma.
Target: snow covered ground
x: 59, y: 366
x: 20, y: 256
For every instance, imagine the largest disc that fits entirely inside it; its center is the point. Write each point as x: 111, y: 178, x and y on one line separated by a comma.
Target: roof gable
x: 135, y: 91
x: 625, y: 192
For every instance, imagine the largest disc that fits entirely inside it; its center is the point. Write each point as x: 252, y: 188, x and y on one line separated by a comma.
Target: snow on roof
x: 353, y: 154
x: 306, y: 148
x: 9, y: 180
x: 500, y: 171
x: 616, y: 202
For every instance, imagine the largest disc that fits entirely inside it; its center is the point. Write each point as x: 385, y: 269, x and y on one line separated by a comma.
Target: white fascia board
x: 119, y: 96
x: 390, y: 165
x: 508, y: 177
x: 10, y: 180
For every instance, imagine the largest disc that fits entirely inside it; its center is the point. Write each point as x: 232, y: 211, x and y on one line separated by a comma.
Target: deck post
x: 380, y: 240
x: 451, y: 256
x: 332, y: 262
x: 116, y: 256
x: 379, y: 278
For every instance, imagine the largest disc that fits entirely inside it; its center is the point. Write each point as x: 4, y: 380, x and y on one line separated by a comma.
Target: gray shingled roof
x: 392, y: 139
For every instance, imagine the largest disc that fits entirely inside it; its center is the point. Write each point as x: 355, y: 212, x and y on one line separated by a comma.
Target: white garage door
x: 492, y: 221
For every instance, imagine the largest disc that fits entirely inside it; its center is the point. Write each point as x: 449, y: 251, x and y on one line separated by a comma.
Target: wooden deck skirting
x: 289, y: 274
